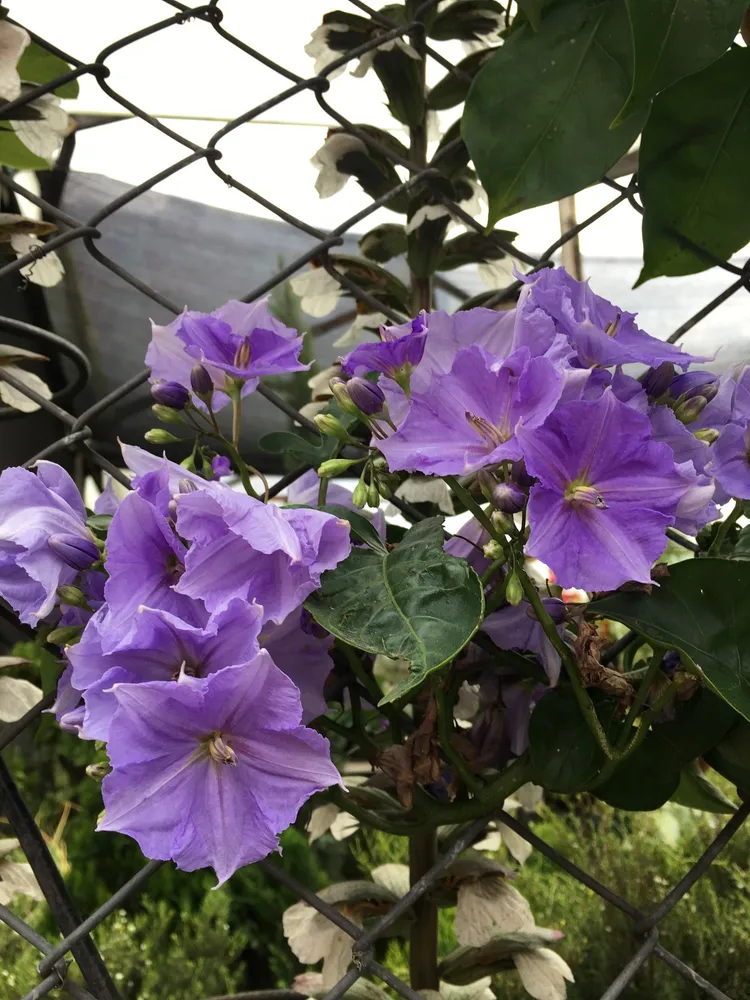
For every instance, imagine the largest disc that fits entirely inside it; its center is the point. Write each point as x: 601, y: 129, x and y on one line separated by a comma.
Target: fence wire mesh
x: 76, y: 932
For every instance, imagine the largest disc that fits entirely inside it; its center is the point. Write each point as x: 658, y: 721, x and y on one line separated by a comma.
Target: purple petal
x: 730, y: 463
x: 304, y: 658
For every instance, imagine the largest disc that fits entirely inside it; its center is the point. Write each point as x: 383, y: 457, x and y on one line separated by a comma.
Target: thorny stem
x: 724, y: 527
x: 445, y: 728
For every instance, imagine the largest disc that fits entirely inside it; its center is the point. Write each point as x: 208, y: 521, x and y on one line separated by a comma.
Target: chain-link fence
x: 77, y: 435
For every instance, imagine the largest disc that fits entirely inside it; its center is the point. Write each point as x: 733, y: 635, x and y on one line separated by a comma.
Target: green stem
x: 569, y: 662
x: 369, y: 818
x: 323, y: 481
x: 491, y: 570
x: 368, y: 746
x: 372, y: 687
x: 640, y: 697
x: 445, y: 728
x: 479, y: 513
x: 724, y: 527
x: 236, y: 396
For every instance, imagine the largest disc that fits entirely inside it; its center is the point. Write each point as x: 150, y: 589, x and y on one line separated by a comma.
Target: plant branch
x: 724, y: 527
x: 445, y: 727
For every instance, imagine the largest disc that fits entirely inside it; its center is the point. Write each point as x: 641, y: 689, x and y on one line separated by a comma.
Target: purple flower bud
x: 366, y: 396
x: 508, y: 497
x: 220, y: 466
x: 519, y: 474
x: 170, y: 394
x: 671, y: 661
x: 656, y: 381
x: 75, y: 550
x: 200, y: 381
x: 691, y: 383
x: 708, y: 391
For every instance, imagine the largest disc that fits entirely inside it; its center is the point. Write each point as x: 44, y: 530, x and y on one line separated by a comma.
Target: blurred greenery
x: 178, y: 937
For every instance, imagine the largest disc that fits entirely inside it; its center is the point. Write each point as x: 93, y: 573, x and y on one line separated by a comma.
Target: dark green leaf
x: 415, y: 603
x: 468, y: 20
x: 741, y: 548
x: 14, y: 154
x: 425, y: 242
x: 374, y: 279
x: 692, y: 175
x: 533, y: 11
x: 400, y: 76
x: 384, y: 242
x: 99, y: 524
x: 698, y: 724
x: 453, y: 88
x: 300, y: 448
x: 674, y: 38
x: 564, y: 754
x: 701, y: 610
x: 696, y: 792
x: 537, y: 117
x: 731, y: 757
x: 473, y: 248
x: 36, y: 65
x: 644, y: 781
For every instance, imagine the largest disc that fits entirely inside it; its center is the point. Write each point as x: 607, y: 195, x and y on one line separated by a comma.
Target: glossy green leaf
x: 415, y: 602
x: 702, y: 610
x: 731, y: 757
x: 642, y: 782
x: 674, y: 38
x: 36, y: 65
x: 537, y: 117
x: 14, y: 154
x: 696, y: 792
x: 693, y: 169
x: 564, y: 754
x: 298, y: 447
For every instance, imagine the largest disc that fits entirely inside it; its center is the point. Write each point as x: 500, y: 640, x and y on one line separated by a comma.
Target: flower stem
x: 477, y: 510
x: 640, y: 697
x: 724, y: 527
x: 445, y: 728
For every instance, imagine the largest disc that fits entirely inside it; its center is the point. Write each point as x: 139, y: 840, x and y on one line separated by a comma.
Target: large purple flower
x: 158, y: 480
x: 606, y: 492
x: 600, y: 333
x: 244, y: 548
x: 145, y: 561
x: 302, y: 653
x: 209, y: 773
x: 395, y: 357
x: 467, y: 419
x: 696, y: 506
x: 161, y: 648
x: 730, y: 460
x: 44, y: 541
x: 237, y: 341
x: 518, y: 628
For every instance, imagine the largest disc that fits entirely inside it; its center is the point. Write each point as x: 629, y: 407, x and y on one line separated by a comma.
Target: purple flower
x: 68, y: 708
x: 304, y: 658
x: 74, y: 550
x: 467, y: 418
x: 108, y: 501
x: 34, y: 509
x: 395, y: 357
x: 518, y: 628
x: 209, y: 773
x: 160, y: 648
x: 221, y: 466
x: 696, y: 506
x: 730, y: 460
x: 157, y: 479
x: 145, y: 561
x: 606, y: 492
x: 600, y: 333
x: 237, y: 341
x: 244, y: 548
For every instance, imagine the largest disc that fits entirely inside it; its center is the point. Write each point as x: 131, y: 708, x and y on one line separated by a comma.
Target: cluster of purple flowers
x: 612, y: 459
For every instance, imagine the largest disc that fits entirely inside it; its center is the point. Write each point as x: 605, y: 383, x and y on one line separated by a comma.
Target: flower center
x: 242, y: 354
x: 491, y: 434
x: 611, y: 329
x: 173, y: 568
x: 579, y: 494
x: 220, y: 750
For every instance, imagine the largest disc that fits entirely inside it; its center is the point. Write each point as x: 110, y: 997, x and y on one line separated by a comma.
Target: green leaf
x: 37, y: 65
x: 642, y: 782
x: 14, y: 154
x: 537, y: 117
x: 731, y: 757
x: 99, y: 524
x: 701, y: 610
x: 47, y: 665
x: 415, y: 602
x: 289, y: 443
x: 384, y: 242
x: 691, y: 175
x: 533, y: 11
x: 473, y: 248
x: 696, y: 792
x: 564, y: 754
x: 468, y: 20
x: 675, y: 38
x: 452, y: 89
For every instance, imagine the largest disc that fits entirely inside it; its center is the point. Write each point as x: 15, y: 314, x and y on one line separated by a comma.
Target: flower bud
x: 72, y: 596
x: 64, y: 636
x: 508, y: 498
x: 656, y: 381
x: 98, y: 771
x: 707, y: 434
x: 373, y: 494
x: 486, y: 483
x: 171, y: 394
x: 75, y: 550
x: 691, y: 409
x: 493, y: 550
x: 501, y: 521
x: 359, y: 496
x: 384, y: 488
x: 157, y: 435
x: 366, y: 396
x: 328, y: 424
x: 337, y: 386
x: 514, y: 590
x: 708, y: 391
x: 201, y: 382
x: 166, y: 414
x: 334, y: 467
x: 519, y: 474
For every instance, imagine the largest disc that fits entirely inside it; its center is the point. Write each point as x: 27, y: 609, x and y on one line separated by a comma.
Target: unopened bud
x: 157, y: 435
x: 384, y: 488
x: 334, y: 467
x: 514, y: 590
x: 337, y: 386
x: 373, y: 494
x: 501, y: 522
x: 201, y: 382
x: 486, y: 483
x: 359, y: 496
x: 691, y: 409
x: 166, y: 414
x: 98, y: 771
x: 508, y: 498
x: 72, y: 596
x: 366, y: 396
x: 75, y: 550
x: 519, y: 474
x: 65, y: 635
x: 708, y: 391
x: 656, y: 381
x: 171, y: 394
x: 493, y: 550
x: 328, y: 424
x: 242, y: 354
x: 707, y: 434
